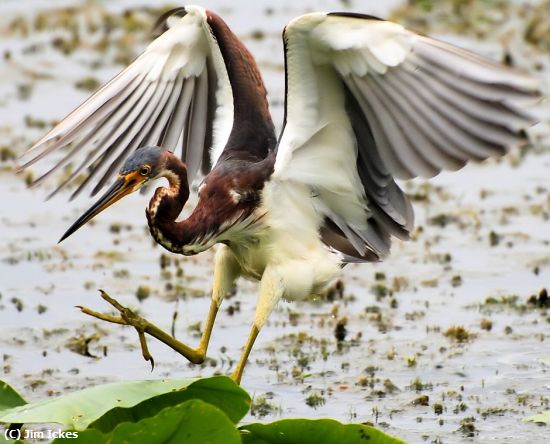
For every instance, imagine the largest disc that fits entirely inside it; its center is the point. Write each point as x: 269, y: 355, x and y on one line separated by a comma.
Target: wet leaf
x: 220, y: 391
x: 9, y: 398
x: 307, y: 431
x: 543, y: 418
x: 78, y: 409
x: 192, y: 422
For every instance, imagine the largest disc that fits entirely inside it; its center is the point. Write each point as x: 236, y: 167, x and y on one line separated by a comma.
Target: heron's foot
x: 142, y: 326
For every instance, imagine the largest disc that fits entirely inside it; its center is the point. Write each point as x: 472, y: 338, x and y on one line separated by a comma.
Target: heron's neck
x: 165, y: 206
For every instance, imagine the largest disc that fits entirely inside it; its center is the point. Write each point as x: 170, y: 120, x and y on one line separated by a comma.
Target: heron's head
x: 145, y: 164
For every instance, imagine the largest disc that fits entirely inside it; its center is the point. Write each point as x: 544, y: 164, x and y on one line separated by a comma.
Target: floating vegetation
x: 18, y: 303
x: 442, y: 220
x: 456, y: 280
x: 81, y: 344
x: 340, y: 331
x: 89, y: 84
x: 467, y: 427
x: 418, y: 386
x: 32, y: 122
x: 458, y: 333
x: 7, y: 154
x: 541, y: 300
x: 262, y: 406
x: 494, y: 239
x: 315, y: 400
x: 486, y: 324
x: 143, y: 292
x: 421, y: 400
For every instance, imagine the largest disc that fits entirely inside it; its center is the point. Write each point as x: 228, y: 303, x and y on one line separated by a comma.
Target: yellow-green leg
x: 271, y: 290
x: 226, y: 271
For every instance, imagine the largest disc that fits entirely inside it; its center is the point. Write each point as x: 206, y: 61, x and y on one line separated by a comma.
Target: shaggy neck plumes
x: 166, y: 205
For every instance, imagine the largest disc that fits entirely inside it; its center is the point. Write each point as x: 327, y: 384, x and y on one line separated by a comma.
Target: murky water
x: 483, y: 233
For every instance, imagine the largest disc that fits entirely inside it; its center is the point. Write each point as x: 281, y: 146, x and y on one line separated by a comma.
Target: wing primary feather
x: 121, y: 146
x: 84, y: 111
x: 178, y: 119
x: 399, y: 144
x: 378, y: 195
x: 451, y: 124
x: 135, y: 135
x: 206, y: 164
x: 416, y: 131
x: 428, y: 121
x: 89, y: 131
x: 496, y: 137
x: 496, y: 112
x: 197, y: 127
x: 440, y: 129
x: 391, y: 162
x: 101, y: 136
x: 122, y: 131
x: 466, y: 64
x: 494, y: 92
x: 99, y: 115
x: 166, y: 121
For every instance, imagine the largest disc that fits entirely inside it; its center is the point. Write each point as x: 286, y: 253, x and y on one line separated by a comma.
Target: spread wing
x: 369, y: 102
x: 176, y: 95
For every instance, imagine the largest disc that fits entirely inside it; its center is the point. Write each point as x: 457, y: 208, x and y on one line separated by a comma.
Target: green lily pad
x: 543, y: 417
x: 78, y: 409
x: 9, y: 398
x: 192, y: 422
x: 220, y: 391
x: 307, y: 431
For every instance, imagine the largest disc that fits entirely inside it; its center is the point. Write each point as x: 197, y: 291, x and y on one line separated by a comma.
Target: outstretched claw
x: 142, y: 326
x: 127, y: 317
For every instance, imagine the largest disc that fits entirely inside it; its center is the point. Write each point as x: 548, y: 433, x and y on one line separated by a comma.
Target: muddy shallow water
x: 480, y: 251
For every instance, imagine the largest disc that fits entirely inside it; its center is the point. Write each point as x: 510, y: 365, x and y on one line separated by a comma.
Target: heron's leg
x: 271, y: 290
x: 226, y: 271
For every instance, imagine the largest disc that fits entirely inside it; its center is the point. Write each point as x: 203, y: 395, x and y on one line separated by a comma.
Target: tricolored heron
x: 367, y: 102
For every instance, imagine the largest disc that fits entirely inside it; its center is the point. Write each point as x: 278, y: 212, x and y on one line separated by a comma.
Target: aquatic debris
x: 486, y: 324
x: 442, y: 220
x: 89, y: 84
x: 494, y: 239
x: 80, y: 344
x: 467, y: 427
x: 410, y: 360
x: 421, y: 400
x: 33, y: 122
x: 456, y: 280
x: 540, y: 301
x: 18, y: 303
x: 340, y: 330
x: 418, y: 386
x: 315, y: 400
x: 262, y: 407
x: 458, y: 333
x: 143, y: 292
x: 7, y: 154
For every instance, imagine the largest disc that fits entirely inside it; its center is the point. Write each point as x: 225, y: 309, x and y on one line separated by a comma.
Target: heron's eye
x: 145, y: 170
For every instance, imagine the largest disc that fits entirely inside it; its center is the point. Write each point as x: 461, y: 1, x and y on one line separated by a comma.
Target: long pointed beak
x: 123, y: 186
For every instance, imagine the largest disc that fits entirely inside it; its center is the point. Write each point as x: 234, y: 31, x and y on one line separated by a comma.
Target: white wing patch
x: 352, y: 47
x: 369, y: 101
